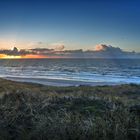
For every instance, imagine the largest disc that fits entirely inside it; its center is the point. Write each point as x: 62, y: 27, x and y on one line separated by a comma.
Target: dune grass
x: 37, y: 112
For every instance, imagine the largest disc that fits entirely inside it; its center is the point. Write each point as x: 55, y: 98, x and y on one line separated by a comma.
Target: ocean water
x: 81, y: 70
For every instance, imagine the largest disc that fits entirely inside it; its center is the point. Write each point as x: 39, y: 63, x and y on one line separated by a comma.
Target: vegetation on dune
x: 36, y: 112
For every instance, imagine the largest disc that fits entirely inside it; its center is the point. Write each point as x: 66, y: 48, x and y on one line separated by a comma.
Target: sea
x: 72, y: 71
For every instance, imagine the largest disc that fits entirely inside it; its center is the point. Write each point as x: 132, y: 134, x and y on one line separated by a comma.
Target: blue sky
x: 75, y: 23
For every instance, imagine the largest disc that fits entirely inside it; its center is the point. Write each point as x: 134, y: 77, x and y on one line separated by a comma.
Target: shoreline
x: 59, y: 82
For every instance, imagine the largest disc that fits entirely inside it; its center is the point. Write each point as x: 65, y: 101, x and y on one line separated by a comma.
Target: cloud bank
x: 58, y: 50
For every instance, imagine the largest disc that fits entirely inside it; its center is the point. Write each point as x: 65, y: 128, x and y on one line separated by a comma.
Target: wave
x: 75, y: 70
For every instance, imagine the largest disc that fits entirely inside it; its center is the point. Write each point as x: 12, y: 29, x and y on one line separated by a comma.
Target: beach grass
x: 37, y: 112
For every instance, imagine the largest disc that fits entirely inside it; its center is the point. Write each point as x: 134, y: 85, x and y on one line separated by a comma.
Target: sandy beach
x: 59, y: 82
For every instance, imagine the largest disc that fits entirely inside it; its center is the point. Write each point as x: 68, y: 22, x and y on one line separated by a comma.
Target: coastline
x: 60, y: 82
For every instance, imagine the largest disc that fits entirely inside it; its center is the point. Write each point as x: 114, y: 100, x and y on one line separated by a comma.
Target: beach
x: 59, y: 82
x: 72, y: 72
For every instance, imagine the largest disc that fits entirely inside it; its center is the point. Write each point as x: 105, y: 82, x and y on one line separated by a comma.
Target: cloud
x: 15, y: 52
x: 41, y: 51
x: 54, y: 46
x: 57, y: 50
x: 100, y: 47
x: 35, y: 48
x: 109, y: 48
x: 57, y: 46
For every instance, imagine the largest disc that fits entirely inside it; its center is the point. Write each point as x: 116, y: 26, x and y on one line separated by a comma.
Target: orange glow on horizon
x: 4, y: 56
x: 33, y: 56
x: 29, y: 56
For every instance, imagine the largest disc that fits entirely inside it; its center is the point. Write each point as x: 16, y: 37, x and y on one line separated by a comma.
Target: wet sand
x: 59, y: 82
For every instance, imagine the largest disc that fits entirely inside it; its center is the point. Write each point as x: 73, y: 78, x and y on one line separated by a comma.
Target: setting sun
x: 11, y: 57
x: 3, y: 56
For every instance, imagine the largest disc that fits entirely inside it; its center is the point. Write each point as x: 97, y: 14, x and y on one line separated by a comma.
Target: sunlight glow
x: 29, y: 56
x: 33, y: 56
x: 3, y: 56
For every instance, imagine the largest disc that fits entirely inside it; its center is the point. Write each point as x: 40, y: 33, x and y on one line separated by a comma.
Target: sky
x: 73, y: 23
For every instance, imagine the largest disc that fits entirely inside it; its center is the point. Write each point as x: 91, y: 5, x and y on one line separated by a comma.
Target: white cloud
x: 103, y: 47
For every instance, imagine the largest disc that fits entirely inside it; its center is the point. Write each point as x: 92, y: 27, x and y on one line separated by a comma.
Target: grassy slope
x: 32, y: 111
